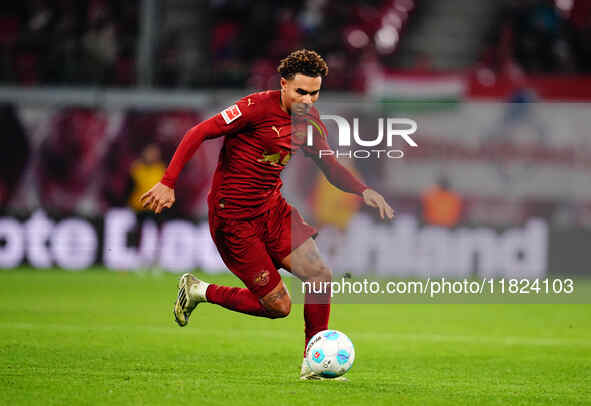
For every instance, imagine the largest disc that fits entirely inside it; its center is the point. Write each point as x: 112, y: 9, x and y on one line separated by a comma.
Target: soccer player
x: 254, y: 229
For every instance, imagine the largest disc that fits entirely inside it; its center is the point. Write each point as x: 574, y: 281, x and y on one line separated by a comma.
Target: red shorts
x: 253, y: 248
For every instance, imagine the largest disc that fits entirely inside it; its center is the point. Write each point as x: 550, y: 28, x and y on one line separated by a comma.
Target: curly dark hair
x: 303, y: 61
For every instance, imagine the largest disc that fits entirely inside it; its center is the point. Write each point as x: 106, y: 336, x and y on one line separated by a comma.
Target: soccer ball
x: 330, y: 353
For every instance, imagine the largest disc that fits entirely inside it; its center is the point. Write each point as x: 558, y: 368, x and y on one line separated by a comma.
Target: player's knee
x: 320, y: 272
x: 326, y: 273
x: 279, y: 308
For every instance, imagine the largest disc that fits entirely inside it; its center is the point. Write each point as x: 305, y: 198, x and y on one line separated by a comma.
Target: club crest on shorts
x: 262, y: 278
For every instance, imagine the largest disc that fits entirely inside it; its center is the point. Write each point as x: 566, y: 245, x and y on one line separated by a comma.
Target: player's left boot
x: 307, y: 374
x: 191, y: 293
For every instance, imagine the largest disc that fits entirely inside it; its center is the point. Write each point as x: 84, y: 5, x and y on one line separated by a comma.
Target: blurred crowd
x: 247, y: 40
x: 55, y: 42
x: 543, y: 36
x: 94, y: 42
x: 80, y: 160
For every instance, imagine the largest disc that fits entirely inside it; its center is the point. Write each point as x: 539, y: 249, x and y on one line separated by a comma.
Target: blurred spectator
x: 157, y: 134
x: 330, y: 206
x: 100, y: 43
x: 137, y: 131
x: 144, y: 173
x: 441, y: 205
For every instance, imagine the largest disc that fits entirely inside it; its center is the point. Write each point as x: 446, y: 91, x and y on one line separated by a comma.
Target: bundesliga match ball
x: 330, y: 353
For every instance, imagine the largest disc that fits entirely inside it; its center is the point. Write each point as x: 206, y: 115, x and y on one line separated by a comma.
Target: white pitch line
x: 499, y: 340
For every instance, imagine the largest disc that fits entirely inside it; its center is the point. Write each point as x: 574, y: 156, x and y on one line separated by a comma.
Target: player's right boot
x: 191, y: 293
x: 306, y: 374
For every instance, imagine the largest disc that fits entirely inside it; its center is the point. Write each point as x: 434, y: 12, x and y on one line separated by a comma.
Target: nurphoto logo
x: 393, y: 127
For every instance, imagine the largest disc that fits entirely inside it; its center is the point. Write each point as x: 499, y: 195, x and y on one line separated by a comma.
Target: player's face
x: 300, y: 93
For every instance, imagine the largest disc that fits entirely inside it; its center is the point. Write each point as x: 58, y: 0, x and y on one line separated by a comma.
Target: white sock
x: 198, y: 290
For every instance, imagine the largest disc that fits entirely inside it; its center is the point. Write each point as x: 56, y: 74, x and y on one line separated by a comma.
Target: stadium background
x: 501, y: 92
x: 88, y: 86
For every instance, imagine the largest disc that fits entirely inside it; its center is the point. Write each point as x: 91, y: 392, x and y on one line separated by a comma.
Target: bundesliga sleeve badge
x: 231, y: 113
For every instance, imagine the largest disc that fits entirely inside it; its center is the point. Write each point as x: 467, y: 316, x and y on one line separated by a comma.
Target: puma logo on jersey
x: 249, y: 102
x: 276, y: 130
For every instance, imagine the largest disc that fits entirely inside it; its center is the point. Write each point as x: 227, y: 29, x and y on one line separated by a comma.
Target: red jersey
x: 258, y: 145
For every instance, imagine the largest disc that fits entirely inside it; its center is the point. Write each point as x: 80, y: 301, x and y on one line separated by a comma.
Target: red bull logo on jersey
x: 275, y: 159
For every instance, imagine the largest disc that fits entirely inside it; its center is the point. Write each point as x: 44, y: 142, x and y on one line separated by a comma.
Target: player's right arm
x: 229, y: 121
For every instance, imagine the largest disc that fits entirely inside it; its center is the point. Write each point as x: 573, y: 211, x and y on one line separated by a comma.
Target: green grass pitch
x: 99, y: 337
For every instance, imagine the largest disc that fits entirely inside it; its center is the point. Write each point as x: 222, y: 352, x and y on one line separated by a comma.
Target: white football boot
x: 307, y: 374
x: 191, y: 293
